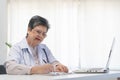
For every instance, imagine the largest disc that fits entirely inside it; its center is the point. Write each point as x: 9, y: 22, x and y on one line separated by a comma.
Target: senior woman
x: 29, y: 56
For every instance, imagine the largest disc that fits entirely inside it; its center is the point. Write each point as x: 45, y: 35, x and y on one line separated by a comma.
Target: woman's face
x: 36, y: 35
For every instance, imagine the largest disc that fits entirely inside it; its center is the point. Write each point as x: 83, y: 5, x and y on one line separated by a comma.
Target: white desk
x: 104, y: 76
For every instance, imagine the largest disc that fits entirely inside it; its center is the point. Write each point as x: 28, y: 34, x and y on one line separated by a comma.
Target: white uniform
x: 21, y: 58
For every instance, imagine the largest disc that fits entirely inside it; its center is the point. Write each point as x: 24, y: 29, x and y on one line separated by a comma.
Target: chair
x: 2, y: 69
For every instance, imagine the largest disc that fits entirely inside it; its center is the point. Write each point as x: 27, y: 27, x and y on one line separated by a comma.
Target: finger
x: 65, y: 69
x: 60, y: 69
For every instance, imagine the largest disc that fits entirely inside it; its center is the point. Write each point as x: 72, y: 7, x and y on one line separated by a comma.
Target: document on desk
x: 57, y: 73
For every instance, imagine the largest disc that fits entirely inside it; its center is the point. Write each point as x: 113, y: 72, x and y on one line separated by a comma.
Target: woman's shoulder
x: 21, y: 44
x: 42, y: 45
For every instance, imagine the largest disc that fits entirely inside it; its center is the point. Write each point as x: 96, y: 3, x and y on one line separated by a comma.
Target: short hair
x: 38, y: 20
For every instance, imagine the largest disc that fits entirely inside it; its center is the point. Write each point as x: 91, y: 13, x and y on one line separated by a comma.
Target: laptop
x: 98, y: 70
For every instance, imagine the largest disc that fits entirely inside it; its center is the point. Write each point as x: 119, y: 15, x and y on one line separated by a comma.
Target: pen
x: 44, y: 61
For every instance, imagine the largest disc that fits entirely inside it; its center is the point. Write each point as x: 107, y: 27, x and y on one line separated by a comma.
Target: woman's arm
x: 13, y: 68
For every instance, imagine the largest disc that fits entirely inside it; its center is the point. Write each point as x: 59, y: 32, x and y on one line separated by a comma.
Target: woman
x: 30, y: 56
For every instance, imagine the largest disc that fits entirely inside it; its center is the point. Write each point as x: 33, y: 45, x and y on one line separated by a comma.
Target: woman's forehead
x: 40, y: 27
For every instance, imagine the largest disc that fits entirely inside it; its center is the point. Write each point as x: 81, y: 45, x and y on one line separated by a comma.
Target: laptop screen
x: 108, y: 61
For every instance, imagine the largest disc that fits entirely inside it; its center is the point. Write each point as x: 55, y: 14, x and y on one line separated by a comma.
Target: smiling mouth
x: 38, y: 39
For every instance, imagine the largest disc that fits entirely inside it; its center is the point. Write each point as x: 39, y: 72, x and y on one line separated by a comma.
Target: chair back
x: 2, y: 69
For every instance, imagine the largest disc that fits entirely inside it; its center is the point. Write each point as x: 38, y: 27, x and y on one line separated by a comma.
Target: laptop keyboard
x: 89, y: 70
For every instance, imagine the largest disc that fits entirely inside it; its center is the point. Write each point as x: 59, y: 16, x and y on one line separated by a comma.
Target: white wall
x: 3, y: 30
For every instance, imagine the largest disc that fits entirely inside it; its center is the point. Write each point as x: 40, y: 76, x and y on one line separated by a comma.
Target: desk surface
x: 100, y: 76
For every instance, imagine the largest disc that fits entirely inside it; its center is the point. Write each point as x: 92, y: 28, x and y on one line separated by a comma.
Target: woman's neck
x: 30, y: 42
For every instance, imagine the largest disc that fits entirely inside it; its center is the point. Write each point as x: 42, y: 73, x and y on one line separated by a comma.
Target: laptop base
x: 92, y: 70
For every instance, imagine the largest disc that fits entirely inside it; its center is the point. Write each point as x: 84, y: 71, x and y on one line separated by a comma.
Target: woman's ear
x: 28, y: 31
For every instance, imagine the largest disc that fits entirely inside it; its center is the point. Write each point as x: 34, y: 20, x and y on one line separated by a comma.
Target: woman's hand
x: 42, y: 69
x: 61, y: 68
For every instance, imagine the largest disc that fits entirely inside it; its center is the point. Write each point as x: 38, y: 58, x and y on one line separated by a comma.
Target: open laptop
x: 98, y: 70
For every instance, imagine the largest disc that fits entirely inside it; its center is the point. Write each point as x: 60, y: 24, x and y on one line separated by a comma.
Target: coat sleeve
x: 18, y: 69
x: 12, y: 63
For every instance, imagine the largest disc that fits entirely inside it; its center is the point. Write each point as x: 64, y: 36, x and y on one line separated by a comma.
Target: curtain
x: 62, y: 38
x: 99, y: 24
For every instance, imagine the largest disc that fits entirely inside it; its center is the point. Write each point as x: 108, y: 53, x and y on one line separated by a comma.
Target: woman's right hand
x: 42, y: 69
